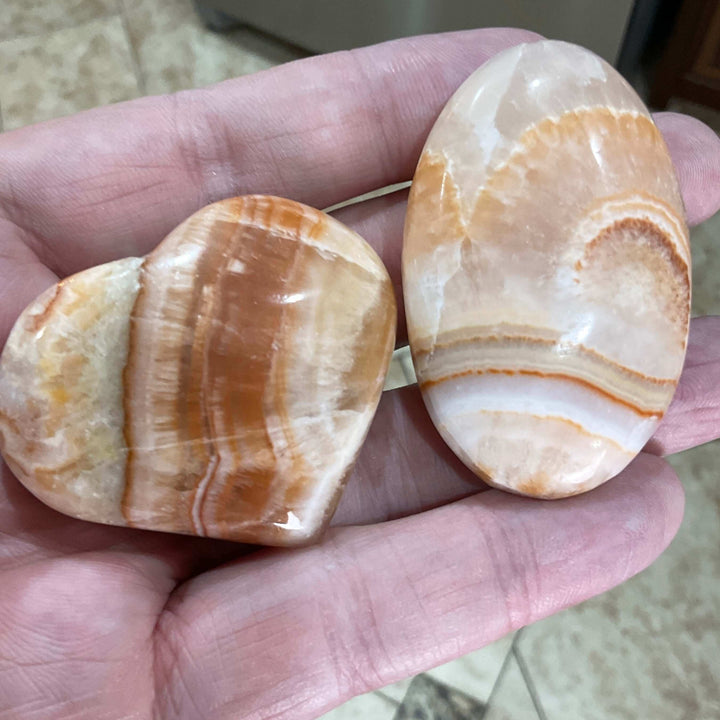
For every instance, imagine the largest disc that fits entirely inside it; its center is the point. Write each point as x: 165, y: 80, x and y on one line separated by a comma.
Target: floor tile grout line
x: 134, y: 57
x: 496, y: 685
x: 529, y: 683
x: 390, y: 699
x: 58, y: 28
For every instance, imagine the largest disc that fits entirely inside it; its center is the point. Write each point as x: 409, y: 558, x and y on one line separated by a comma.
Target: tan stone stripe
x: 635, y: 202
x: 472, y: 336
x: 193, y: 419
x: 238, y: 369
x: 652, y: 234
x: 12, y: 424
x: 160, y: 359
x: 39, y: 320
x: 469, y: 349
x: 643, y: 412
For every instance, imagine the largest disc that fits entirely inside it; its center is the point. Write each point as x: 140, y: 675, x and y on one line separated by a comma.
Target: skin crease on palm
x: 421, y: 565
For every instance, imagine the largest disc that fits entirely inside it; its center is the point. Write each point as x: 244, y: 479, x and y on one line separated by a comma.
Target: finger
x: 22, y: 277
x: 375, y: 604
x: 693, y: 417
x: 114, y: 181
x: 695, y: 150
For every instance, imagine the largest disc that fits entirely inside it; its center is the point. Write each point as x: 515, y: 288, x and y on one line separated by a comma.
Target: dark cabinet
x: 690, y: 66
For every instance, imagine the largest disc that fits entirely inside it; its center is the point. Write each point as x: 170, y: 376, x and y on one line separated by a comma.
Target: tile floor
x: 648, y: 650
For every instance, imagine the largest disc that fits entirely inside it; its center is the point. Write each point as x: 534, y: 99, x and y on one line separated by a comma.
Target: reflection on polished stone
x: 222, y: 385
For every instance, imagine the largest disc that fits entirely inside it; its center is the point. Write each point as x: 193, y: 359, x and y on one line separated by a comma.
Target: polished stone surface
x: 221, y: 386
x: 546, y: 272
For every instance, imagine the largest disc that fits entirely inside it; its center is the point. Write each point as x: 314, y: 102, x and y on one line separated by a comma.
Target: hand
x: 100, y: 622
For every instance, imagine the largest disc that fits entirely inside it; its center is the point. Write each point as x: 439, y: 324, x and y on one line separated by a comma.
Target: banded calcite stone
x: 220, y: 386
x: 546, y: 272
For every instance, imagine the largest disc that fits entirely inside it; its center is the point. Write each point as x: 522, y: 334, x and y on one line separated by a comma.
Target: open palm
x: 100, y: 622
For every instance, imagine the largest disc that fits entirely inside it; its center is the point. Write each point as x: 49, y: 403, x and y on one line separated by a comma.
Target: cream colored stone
x: 546, y: 272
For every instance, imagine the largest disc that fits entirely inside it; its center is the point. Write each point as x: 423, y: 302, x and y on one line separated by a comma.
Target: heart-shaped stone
x: 546, y: 272
x: 222, y: 385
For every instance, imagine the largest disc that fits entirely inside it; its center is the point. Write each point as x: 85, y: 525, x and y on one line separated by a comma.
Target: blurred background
x: 648, y: 650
